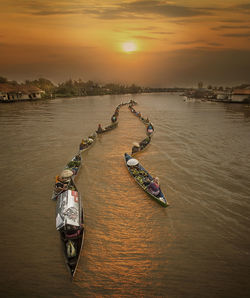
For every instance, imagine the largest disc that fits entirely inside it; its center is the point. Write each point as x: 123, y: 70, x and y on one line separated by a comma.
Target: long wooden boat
x: 70, y: 224
x: 73, y: 165
x: 143, y: 178
x: 108, y: 128
x: 141, y: 146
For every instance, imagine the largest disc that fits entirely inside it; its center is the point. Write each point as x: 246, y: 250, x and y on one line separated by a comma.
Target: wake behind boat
x: 144, y: 179
x: 69, y: 223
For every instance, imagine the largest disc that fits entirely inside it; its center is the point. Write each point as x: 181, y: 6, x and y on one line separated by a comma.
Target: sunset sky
x: 150, y: 43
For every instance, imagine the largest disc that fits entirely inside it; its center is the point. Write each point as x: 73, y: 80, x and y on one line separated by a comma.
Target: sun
x: 129, y: 47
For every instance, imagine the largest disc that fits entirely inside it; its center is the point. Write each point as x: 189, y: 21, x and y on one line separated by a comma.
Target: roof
x: 11, y: 88
x: 241, y: 91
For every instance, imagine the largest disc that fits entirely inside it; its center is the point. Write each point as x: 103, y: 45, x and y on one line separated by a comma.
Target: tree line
x: 72, y: 88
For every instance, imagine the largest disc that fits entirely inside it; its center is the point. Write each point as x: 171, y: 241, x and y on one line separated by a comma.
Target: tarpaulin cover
x: 68, y: 209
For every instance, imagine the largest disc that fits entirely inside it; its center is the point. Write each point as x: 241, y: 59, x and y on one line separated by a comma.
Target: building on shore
x: 241, y: 95
x: 15, y: 92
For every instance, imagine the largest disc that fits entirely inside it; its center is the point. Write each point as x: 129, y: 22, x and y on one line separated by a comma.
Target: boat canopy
x: 68, y: 209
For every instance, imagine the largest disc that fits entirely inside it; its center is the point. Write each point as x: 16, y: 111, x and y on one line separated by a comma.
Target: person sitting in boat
x: 113, y: 119
x: 135, y: 148
x: 99, y: 129
x: 83, y: 145
x: 144, y: 142
x: 150, y: 128
x: 154, y: 186
x: 61, y: 184
x: 90, y: 141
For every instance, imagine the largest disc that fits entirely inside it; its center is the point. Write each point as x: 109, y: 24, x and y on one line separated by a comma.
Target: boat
x: 87, y: 143
x: 143, y: 178
x: 139, y: 147
x: 70, y: 171
x: 107, y: 128
x: 70, y: 225
x: 75, y: 164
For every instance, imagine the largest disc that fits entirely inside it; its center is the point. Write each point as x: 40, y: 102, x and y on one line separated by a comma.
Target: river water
x: 197, y: 247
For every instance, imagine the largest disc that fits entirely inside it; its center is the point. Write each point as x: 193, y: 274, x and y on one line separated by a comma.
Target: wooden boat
x: 107, y: 128
x: 70, y: 224
x: 73, y: 165
x: 143, y: 178
x: 89, y: 142
x: 141, y: 146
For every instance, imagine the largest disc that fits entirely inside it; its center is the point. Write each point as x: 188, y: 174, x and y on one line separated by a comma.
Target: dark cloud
x: 53, y: 12
x: 145, y: 37
x: 222, y: 27
x: 135, y: 9
x: 243, y: 7
x: 215, y: 44
x: 160, y: 8
x: 247, y: 34
x: 189, y: 42
x: 232, y: 21
x: 148, y: 28
x: 162, y: 32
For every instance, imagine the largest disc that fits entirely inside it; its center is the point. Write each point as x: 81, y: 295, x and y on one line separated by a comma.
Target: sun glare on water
x: 129, y: 47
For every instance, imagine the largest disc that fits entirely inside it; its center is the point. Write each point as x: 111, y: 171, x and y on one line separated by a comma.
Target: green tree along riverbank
x: 73, y: 88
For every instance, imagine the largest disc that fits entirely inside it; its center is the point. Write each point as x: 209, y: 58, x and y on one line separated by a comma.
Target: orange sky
x: 175, y: 43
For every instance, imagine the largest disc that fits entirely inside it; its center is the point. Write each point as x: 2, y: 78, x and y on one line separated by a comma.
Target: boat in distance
x: 107, y: 128
x: 70, y: 224
x: 87, y: 143
x: 143, y: 178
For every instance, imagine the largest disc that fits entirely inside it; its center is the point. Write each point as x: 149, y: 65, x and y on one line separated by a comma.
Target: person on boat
x: 154, y: 186
x: 83, y: 145
x: 113, y: 119
x: 144, y: 142
x: 61, y: 183
x: 90, y: 141
x: 135, y: 148
x: 99, y: 129
x: 150, y: 128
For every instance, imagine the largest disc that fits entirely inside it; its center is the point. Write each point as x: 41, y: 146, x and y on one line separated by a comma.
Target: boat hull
x: 160, y: 198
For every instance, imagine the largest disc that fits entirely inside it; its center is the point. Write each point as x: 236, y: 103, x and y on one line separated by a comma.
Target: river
x: 197, y: 247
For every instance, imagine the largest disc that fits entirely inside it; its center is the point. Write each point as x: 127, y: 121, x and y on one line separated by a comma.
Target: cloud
x: 154, y: 7
x: 243, y: 7
x: 247, y: 34
x: 222, y: 27
x: 215, y: 44
x: 189, y: 42
x: 145, y: 37
x: 135, y: 9
x: 232, y: 21
x: 162, y: 32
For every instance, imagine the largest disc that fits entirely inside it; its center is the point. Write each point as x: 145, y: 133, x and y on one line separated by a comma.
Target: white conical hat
x: 66, y: 173
x: 132, y: 162
x: 136, y: 144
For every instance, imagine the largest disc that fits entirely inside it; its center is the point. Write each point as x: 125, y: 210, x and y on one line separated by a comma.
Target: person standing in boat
x: 154, y: 186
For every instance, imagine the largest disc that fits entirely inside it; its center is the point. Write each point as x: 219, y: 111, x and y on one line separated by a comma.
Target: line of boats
x: 69, y: 208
